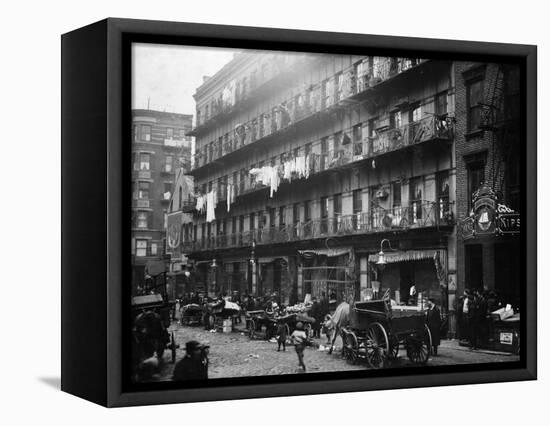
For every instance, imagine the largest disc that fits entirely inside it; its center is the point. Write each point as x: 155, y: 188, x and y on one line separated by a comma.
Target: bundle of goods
x: 298, y: 308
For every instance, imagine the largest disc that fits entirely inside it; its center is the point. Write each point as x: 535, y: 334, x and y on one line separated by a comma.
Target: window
x: 251, y: 222
x: 296, y: 213
x: 328, y: 91
x: 357, y: 208
x: 440, y: 104
x: 397, y: 211
x: 145, y: 132
x: 143, y: 190
x: 474, y: 98
x: 307, y: 149
x: 154, y: 249
x: 241, y: 223
x: 324, y: 149
x: 168, y: 187
x: 339, y: 86
x: 203, y: 232
x: 272, y: 217
x: 180, y: 194
x: 396, y: 194
x: 141, y: 248
x: 357, y: 140
x: 337, y: 209
x: 307, y: 211
x: 395, y: 119
x: 169, y: 161
x: 144, y: 161
x: 164, y: 218
x: 181, y: 133
x: 142, y: 220
x: 415, y: 199
x: 308, y: 227
x: 169, y: 133
x: 282, y: 219
x: 443, y: 194
x: 234, y: 225
x: 324, y: 215
x: 416, y: 114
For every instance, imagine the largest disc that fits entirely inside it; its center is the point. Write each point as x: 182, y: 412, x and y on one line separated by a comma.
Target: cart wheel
x: 173, y: 346
x: 350, y: 347
x: 394, y: 347
x: 251, y: 328
x: 419, y: 345
x: 377, y: 345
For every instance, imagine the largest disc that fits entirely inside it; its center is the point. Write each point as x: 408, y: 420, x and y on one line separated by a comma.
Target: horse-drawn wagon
x: 260, y: 321
x: 150, y: 336
x: 214, y: 313
x: 290, y: 321
x: 377, y: 329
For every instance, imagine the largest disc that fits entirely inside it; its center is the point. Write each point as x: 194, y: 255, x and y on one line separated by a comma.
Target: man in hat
x: 194, y: 365
x: 433, y: 321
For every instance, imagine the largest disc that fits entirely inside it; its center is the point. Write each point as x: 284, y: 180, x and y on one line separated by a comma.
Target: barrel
x: 227, y: 325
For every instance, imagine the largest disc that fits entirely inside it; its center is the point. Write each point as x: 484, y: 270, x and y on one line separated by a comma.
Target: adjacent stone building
x: 159, y: 149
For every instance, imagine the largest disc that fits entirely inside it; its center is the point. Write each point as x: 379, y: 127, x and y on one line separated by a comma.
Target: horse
x: 339, y: 320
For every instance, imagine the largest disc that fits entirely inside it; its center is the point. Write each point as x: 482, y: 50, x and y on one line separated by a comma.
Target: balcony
x: 419, y: 215
x: 222, y: 109
x: 303, y: 107
x: 431, y: 128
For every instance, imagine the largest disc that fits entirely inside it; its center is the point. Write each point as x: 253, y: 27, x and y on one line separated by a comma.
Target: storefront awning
x: 325, y: 252
x: 405, y: 256
x: 271, y: 259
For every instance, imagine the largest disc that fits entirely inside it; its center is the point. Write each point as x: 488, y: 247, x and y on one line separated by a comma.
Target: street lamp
x: 214, y: 266
x: 253, y: 267
x: 381, y: 256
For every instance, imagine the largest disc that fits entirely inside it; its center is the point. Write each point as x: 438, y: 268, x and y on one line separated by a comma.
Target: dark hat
x: 192, y: 345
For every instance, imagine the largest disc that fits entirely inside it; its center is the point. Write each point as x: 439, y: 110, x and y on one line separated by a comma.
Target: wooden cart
x: 261, y: 322
x: 377, y: 330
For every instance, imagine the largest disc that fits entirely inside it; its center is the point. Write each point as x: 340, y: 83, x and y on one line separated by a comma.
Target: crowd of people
x: 474, y: 316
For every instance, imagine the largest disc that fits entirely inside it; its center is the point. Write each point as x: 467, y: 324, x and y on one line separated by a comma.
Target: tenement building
x: 488, y: 159
x: 160, y: 147
x: 307, y: 166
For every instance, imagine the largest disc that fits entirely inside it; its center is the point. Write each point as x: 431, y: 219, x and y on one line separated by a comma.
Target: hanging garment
x: 210, y: 206
x: 200, y: 203
x: 274, y: 184
x: 228, y: 196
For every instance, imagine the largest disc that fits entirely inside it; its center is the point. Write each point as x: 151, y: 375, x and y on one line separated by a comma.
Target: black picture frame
x: 95, y: 255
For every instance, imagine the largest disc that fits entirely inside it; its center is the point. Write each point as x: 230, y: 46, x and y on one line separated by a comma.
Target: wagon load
x: 298, y: 308
x: 216, y: 312
x: 191, y: 314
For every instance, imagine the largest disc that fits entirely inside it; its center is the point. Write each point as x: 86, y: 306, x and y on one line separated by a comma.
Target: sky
x: 167, y: 76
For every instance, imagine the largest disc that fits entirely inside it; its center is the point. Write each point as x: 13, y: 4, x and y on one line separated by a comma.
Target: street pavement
x: 235, y: 355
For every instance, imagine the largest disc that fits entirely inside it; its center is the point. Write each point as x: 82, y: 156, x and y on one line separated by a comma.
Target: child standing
x: 299, y: 338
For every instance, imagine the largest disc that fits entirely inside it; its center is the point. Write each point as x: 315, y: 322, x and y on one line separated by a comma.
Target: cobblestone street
x: 235, y: 355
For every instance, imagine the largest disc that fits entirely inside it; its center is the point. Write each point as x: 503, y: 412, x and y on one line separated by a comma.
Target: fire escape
x: 499, y: 117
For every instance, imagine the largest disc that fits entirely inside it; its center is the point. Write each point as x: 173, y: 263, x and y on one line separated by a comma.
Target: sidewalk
x: 453, y: 344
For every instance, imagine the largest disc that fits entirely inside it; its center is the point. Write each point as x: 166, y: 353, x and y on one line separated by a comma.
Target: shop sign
x: 488, y: 217
x: 506, y: 338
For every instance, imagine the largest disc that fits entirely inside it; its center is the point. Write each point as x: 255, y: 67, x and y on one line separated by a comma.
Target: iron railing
x: 417, y: 215
x: 303, y: 106
x: 322, y: 158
